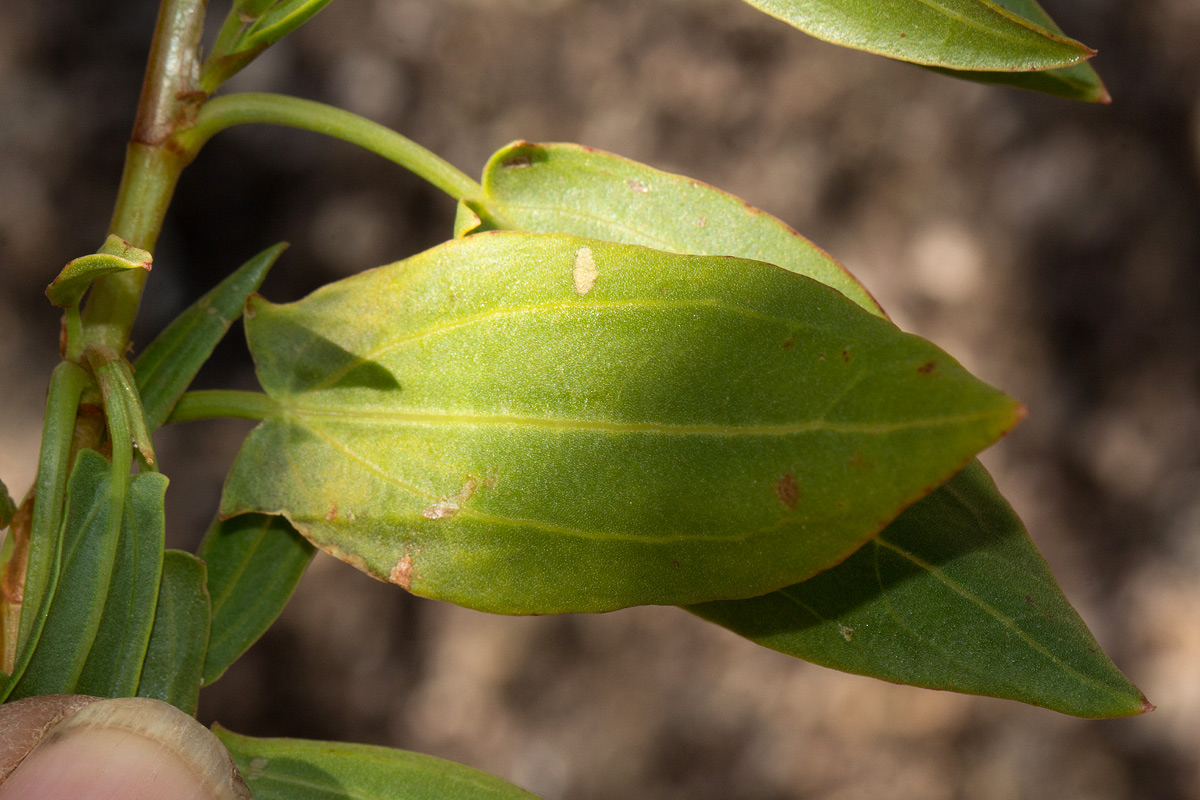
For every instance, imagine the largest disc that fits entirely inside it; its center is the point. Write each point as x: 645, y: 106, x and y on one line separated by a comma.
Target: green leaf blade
x: 174, y: 660
x: 296, y: 769
x: 956, y: 34
x: 254, y: 563
x: 567, y: 188
x: 115, y: 662
x: 501, y: 428
x: 167, y: 366
x: 280, y: 20
x: 89, y: 546
x: 1078, y: 82
x: 952, y: 595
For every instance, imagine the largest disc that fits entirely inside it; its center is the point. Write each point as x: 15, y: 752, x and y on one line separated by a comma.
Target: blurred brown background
x: 1052, y: 247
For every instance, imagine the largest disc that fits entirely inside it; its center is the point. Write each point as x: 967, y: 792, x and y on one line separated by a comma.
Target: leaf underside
x: 534, y: 424
x: 962, y: 548
x: 952, y: 595
x: 174, y: 659
x: 955, y: 34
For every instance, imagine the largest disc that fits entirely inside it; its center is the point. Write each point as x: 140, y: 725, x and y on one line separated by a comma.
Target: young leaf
x: 169, y: 363
x: 114, y: 664
x: 116, y: 255
x: 31, y: 576
x: 254, y: 563
x: 282, y: 18
x: 952, y: 595
x: 295, y: 769
x: 1079, y: 82
x: 566, y: 188
x: 533, y: 423
x: 958, y: 34
x: 89, y: 545
x: 175, y: 656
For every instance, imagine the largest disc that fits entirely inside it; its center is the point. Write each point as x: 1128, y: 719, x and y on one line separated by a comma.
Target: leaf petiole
x: 215, y: 403
x: 247, y: 108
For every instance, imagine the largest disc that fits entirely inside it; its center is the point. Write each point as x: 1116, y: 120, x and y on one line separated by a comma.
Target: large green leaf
x: 89, y: 546
x: 174, y: 659
x: 534, y: 423
x: 958, y: 34
x: 566, y: 188
x: 115, y: 661
x: 1078, y: 82
x: 254, y: 563
x: 167, y: 365
x: 295, y: 769
x: 965, y: 524
x: 952, y: 595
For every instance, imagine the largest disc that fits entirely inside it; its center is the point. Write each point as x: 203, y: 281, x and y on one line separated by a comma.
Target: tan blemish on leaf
x: 701, y: 222
x: 846, y: 631
x: 331, y: 514
x: 927, y: 367
x: 402, y: 573
x: 585, y: 273
x: 787, y: 490
x: 447, y: 507
x: 637, y: 186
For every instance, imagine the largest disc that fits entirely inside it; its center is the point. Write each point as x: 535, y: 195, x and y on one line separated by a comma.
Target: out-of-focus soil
x: 1052, y: 247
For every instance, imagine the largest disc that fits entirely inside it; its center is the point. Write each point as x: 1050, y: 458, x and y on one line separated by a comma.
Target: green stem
x: 214, y: 403
x: 224, y: 112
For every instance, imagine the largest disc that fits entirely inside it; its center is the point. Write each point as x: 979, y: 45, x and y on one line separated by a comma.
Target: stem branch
x: 214, y: 403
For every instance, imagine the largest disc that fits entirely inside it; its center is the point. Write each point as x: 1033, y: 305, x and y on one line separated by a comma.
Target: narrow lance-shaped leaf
x: 966, y: 525
x: 254, y: 563
x: 89, y: 546
x: 114, y: 664
x: 175, y: 656
x: 167, y: 366
x: 566, y: 188
x: 533, y: 423
x: 295, y: 769
x: 1078, y: 82
x: 280, y: 20
x: 32, y: 573
x: 958, y: 34
x: 952, y: 595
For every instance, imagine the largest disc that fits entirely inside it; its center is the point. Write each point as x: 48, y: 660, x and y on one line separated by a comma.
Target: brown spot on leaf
x: 789, y: 344
x: 927, y: 367
x: 402, y: 573
x: 519, y: 161
x: 331, y: 514
x: 846, y: 356
x: 637, y: 186
x: 701, y: 222
x: 447, y: 507
x: 846, y: 631
x: 787, y: 490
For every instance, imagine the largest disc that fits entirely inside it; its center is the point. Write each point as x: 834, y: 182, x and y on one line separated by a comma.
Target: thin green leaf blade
x: 116, y: 255
x: 957, y: 34
x: 115, y: 662
x: 296, y: 769
x: 952, y: 595
x: 282, y: 18
x: 174, y: 660
x: 167, y: 366
x: 1078, y: 82
x: 254, y: 563
x: 89, y: 546
x: 567, y: 188
x: 533, y: 423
